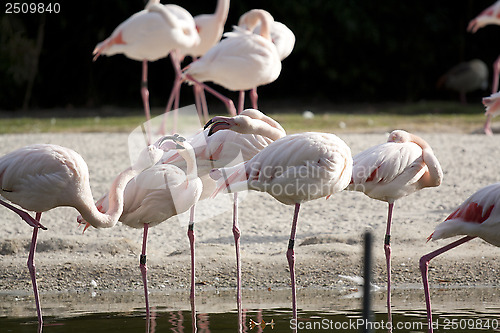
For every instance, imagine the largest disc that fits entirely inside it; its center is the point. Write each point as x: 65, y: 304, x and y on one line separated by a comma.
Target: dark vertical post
x: 367, y: 272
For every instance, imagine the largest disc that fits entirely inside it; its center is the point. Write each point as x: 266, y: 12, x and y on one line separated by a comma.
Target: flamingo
x: 490, y: 15
x: 217, y: 146
x: 210, y: 28
x: 465, y: 77
x: 149, y: 35
x: 392, y: 170
x: 157, y: 194
x: 478, y: 216
x: 492, y: 104
x: 294, y: 169
x: 44, y: 176
x: 241, y: 61
x: 281, y: 36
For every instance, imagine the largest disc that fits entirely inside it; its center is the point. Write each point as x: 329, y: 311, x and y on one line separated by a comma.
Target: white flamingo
x: 223, y: 140
x: 43, y: 176
x: 392, y: 170
x: 294, y: 169
x: 478, y: 216
x: 157, y: 194
x: 281, y: 36
x: 241, y: 61
x: 149, y: 35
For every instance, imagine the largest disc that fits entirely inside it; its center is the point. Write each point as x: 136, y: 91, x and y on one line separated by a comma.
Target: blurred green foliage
x: 346, y: 51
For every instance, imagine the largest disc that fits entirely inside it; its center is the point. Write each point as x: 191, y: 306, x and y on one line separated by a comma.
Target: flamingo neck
x: 164, y: 12
x: 92, y: 215
x: 189, y: 156
x: 222, y: 10
x: 259, y: 15
x: 260, y: 127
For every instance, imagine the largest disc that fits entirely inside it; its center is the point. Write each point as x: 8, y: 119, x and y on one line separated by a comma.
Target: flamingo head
x: 399, y: 136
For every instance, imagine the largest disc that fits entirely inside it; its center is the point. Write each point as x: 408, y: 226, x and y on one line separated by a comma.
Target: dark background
x: 346, y: 51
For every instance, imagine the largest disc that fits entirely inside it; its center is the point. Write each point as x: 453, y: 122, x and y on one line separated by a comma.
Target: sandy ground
x: 329, y: 238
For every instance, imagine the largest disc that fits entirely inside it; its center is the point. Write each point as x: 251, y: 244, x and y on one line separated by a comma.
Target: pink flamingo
x: 149, y: 35
x: 392, y: 170
x: 41, y: 177
x: 241, y: 61
x: 281, y: 36
x: 210, y: 28
x: 294, y: 169
x: 217, y: 146
x: 490, y: 15
x: 157, y: 194
x: 492, y: 104
x: 478, y: 216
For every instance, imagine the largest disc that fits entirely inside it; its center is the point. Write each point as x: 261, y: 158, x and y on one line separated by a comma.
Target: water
x: 454, y: 310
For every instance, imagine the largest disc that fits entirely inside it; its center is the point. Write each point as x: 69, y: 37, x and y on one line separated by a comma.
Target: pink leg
x: 145, y: 97
x: 254, y: 97
x: 237, y: 234
x: 229, y: 103
x: 241, y: 101
x: 31, y: 268
x: 387, y: 250
x: 496, y: 70
x: 290, y: 254
x: 424, y: 265
x: 204, y: 105
x: 144, y: 268
x: 24, y: 215
x: 190, y: 234
x: 201, y: 103
x: 487, y: 125
x: 173, y: 100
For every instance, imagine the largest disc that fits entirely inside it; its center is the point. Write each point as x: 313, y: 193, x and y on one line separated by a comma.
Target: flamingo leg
x: 31, y: 268
x: 237, y: 234
x: 496, y: 71
x: 173, y: 99
x: 144, y: 268
x: 254, y: 97
x: 424, y: 269
x: 487, y: 125
x: 241, y: 101
x: 227, y: 102
x: 191, y: 237
x: 145, y: 97
x: 24, y: 215
x: 204, y: 105
x: 290, y: 254
x: 387, y: 250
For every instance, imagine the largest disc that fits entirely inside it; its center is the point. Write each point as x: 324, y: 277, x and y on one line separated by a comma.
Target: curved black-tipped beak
x: 210, y: 122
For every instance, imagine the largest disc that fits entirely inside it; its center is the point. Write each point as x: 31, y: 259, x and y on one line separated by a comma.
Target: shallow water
x: 454, y: 310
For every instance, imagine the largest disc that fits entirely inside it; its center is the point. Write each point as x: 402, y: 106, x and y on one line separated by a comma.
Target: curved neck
x: 261, y: 127
x: 259, y: 15
x: 222, y: 10
x: 164, y: 12
x: 190, y: 158
x: 434, y: 176
x: 92, y: 215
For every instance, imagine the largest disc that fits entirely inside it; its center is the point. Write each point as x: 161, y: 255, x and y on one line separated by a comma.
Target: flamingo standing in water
x: 241, y: 61
x: 478, y: 216
x: 392, y: 170
x: 149, y: 35
x: 294, y: 169
x: 281, y: 36
x: 43, y: 176
x: 157, y: 194
x: 223, y: 140
x: 490, y: 15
